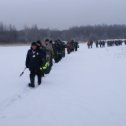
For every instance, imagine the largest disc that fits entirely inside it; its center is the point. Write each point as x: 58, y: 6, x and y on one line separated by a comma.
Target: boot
x: 39, y: 79
x: 32, y: 78
x: 31, y: 85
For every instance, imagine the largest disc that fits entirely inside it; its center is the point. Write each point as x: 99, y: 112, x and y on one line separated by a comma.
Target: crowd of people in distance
x: 104, y: 43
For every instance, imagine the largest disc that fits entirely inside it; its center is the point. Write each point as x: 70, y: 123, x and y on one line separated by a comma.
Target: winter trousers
x: 32, y: 77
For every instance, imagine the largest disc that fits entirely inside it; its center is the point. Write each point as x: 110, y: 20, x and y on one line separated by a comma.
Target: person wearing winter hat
x: 42, y: 50
x: 34, y: 62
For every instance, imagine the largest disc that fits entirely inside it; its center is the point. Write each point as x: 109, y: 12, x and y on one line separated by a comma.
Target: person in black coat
x: 34, y: 61
x: 76, y: 46
x: 42, y: 50
x: 57, y: 51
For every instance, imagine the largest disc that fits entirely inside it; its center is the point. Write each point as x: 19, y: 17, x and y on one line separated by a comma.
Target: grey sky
x: 62, y: 14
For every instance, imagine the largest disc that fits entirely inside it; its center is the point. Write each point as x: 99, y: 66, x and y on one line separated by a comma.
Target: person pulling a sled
x: 34, y: 61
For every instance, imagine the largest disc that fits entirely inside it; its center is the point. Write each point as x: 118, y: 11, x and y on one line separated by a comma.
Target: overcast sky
x: 62, y: 14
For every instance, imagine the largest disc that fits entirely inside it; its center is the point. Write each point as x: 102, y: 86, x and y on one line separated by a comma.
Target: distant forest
x: 9, y: 34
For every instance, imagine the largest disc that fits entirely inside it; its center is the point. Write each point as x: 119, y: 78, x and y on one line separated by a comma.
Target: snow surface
x: 87, y: 88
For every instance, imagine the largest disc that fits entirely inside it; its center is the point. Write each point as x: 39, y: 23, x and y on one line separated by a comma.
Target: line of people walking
x: 72, y: 46
x: 103, y: 43
x: 40, y: 57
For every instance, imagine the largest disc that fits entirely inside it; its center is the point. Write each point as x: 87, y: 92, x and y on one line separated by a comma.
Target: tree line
x: 9, y: 33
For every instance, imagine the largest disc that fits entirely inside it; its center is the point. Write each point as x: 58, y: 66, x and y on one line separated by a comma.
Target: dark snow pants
x: 32, y: 77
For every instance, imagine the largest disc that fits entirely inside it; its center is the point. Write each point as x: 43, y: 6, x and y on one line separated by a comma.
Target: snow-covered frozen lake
x: 87, y: 88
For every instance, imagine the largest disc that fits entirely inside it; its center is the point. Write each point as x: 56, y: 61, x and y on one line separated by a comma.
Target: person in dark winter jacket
x: 42, y: 50
x: 76, y: 46
x: 57, y: 51
x: 34, y: 61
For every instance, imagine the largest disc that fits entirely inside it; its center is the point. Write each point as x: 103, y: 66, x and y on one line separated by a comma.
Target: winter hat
x: 38, y: 43
x: 34, y: 44
x: 51, y: 41
x: 47, y: 40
